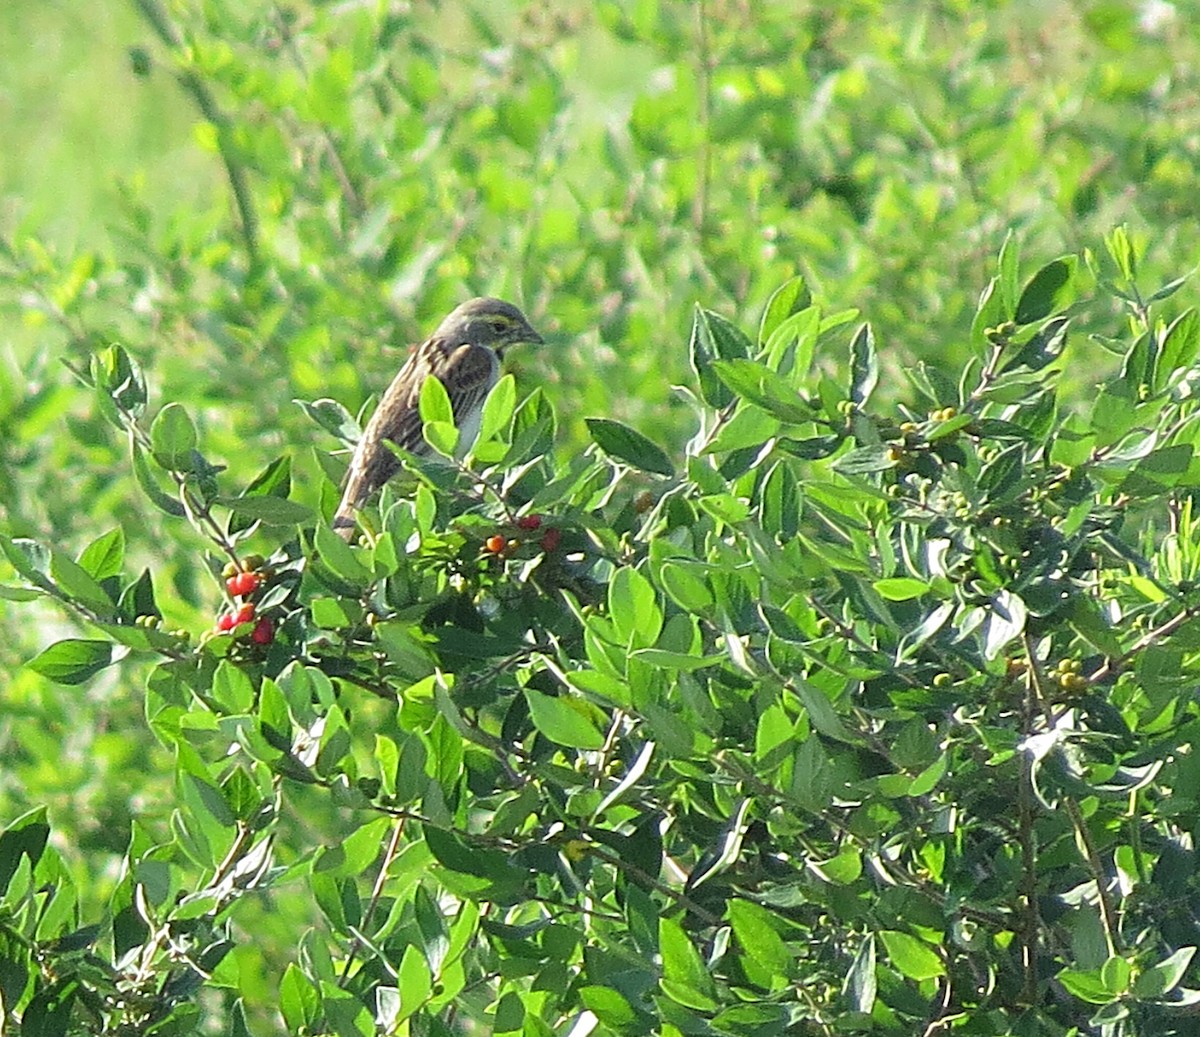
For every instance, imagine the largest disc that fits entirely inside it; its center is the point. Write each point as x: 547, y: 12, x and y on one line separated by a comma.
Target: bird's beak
x: 532, y: 337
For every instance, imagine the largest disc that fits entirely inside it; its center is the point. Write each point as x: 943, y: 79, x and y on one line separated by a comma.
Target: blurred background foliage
x: 266, y: 202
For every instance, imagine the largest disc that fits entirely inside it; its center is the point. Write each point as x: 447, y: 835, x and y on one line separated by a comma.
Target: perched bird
x: 464, y: 355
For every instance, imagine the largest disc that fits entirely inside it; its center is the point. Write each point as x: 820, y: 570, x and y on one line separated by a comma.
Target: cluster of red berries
x: 498, y: 545
x: 242, y: 583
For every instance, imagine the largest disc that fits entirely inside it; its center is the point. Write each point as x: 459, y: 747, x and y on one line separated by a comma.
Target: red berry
x: 243, y: 615
x: 530, y: 522
x: 225, y: 623
x: 264, y: 632
x: 495, y: 544
x: 242, y: 584
x: 551, y: 539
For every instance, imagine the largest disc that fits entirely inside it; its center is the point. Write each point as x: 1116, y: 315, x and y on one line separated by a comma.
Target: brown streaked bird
x: 464, y: 355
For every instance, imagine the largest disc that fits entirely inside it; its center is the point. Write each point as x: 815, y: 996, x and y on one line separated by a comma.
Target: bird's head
x: 487, y: 322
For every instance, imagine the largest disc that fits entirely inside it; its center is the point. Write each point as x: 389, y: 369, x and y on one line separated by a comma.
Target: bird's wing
x: 467, y: 372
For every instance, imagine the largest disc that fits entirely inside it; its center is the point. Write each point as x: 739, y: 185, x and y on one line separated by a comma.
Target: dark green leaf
x: 626, y: 444
x: 714, y: 338
x: 1049, y: 290
x: 864, y: 366
x: 72, y: 661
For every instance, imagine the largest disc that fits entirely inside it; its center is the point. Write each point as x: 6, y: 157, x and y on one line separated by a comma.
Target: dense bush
x: 851, y: 694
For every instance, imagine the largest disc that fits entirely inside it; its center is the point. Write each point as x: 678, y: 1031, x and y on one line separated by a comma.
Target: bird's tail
x: 343, y: 523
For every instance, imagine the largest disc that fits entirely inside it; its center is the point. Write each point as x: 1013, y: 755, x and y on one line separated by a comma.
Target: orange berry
x: 495, y: 544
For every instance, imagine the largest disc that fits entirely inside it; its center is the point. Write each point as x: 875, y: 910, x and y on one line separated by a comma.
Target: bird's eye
x: 498, y: 323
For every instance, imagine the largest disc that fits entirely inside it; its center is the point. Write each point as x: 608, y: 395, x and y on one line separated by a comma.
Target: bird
x: 464, y: 354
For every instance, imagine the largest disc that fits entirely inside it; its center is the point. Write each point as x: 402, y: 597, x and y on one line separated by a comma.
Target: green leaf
x: 753, y: 926
x: 105, y: 555
x: 789, y: 298
x: 1180, y: 344
x: 725, y: 507
x: 273, y: 482
x: 764, y: 388
x: 686, y: 586
x: 842, y: 869
x: 72, y: 661
x: 1087, y: 986
x: 1048, y: 291
x: 1122, y: 251
x: 299, y: 1000
x: 1008, y: 274
x: 443, y: 436
x: 232, y: 689
x: 989, y: 311
x: 725, y: 852
x: 354, y: 854
x: 865, y: 460
x: 911, y: 956
x: 780, y: 501
x: 1164, y: 977
x: 564, y: 720
x: 271, y: 510
x: 498, y: 408
x: 864, y: 366
x: 141, y: 471
x: 333, y: 418
x: 452, y: 851
x: 415, y: 982
x: 434, y: 402
x: 633, y: 607
x: 609, y: 1006
x: 340, y: 557
x: 901, y: 588
x: 860, y: 987
x: 173, y: 438
x: 77, y: 585
x: 685, y: 978
x: 29, y: 558
x: 714, y: 338
x: 27, y: 837
x: 119, y: 382
x: 1043, y: 347
x: 628, y: 445
x: 1005, y: 622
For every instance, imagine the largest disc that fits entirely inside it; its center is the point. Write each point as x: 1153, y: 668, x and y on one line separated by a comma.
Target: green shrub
x: 838, y: 722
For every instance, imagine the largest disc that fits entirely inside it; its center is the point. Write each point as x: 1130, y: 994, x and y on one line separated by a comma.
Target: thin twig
x: 195, y: 86
x: 376, y: 894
